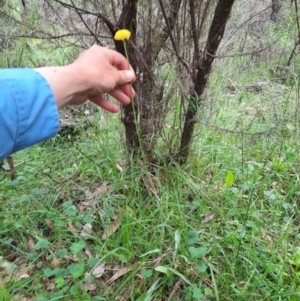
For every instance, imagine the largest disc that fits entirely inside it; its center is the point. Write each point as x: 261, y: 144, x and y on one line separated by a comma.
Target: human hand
x: 101, y: 71
x: 95, y: 72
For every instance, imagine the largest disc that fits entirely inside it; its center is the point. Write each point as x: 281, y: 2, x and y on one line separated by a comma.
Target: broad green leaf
x: 41, y: 244
x: 208, y: 291
x: 229, y: 179
x: 201, y: 266
x: 77, y: 246
x: 72, y: 211
x: 197, y: 252
x: 67, y: 204
x: 74, y: 290
x: 92, y: 262
x: 146, y: 273
x: 197, y: 293
x: 62, y: 253
x: 32, y: 256
x: 297, y: 259
x: 76, y: 270
x: 59, y: 282
x: 18, y: 224
x: 192, y: 237
x: 48, y: 272
x: 88, y: 219
x: 59, y: 273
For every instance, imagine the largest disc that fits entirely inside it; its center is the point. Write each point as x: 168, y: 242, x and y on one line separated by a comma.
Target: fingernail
x: 129, y: 75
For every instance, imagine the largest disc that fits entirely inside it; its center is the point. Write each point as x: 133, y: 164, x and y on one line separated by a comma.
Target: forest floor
x: 82, y: 222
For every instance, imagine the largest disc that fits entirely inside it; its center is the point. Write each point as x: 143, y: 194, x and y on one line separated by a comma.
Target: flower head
x: 122, y: 34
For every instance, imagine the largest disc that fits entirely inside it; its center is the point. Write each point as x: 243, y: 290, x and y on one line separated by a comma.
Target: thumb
x: 125, y: 76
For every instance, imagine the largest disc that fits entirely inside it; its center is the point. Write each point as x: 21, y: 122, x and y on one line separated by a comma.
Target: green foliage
x: 76, y: 247
x: 41, y: 244
x: 222, y: 227
x: 4, y: 295
x: 229, y: 180
x: 154, y: 243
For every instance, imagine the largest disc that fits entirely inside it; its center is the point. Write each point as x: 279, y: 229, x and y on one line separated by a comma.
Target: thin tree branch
x: 168, y: 24
x: 109, y: 24
x: 298, y: 29
x: 215, y: 36
x: 86, y: 26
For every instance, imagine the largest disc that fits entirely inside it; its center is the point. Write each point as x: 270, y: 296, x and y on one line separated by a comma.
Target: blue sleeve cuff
x: 28, y: 111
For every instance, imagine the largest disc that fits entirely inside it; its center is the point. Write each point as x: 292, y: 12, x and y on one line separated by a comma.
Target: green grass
x: 181, y: 233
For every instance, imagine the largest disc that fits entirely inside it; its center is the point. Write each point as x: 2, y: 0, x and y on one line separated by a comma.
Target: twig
x: 298, y: 29
x: 178, y: 283
x: 168, y: 25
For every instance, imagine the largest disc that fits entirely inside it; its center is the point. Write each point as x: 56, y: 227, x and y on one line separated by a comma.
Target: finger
x: 124, y: 77
x: 119, y: 95
x: 118, y: 60
x: 103, y: 103
x: 128, y: 90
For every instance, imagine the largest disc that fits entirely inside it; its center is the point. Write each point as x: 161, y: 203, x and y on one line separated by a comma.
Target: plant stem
x: 133, y: 108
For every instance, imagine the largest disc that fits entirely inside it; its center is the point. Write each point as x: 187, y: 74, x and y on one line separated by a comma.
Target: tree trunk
x: 203, y: 67
x: 276, y: 5
x: 128, y: 20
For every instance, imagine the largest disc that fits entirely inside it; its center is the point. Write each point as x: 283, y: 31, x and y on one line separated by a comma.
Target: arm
x: 97, y: 71
x: 28, y: 112
x: 29, y: 99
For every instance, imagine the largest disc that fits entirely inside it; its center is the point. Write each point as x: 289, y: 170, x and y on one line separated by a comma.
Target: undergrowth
x: 82, y: 221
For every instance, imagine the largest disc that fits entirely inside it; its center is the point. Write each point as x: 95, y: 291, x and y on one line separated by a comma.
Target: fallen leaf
x: 103, y: 188
x: 119, y: 167
x: 208, y: 218
x: 269, y: 238
x: 121, y: 273
x: 84, y: 205
x: 210, y: 175
x: 86, y: 231
x: 89, y: 285
x: 176, y: 263
x: 24, y: 276
x: 31, y: 243
x: 4, y: 264
x: 51, y: 286
x: 290, y: 126
x: 98, y: 271
x: 207, y: 282
x: 19, y: 297
x: 139, y: 275
x: 149, y: 180
x: 72, y: 227
x: 112, y: 228
x: 55, y: 262
x: 49, y: 223
x: 149, y: 184
x: 72, y: 258
x: 88, y: 253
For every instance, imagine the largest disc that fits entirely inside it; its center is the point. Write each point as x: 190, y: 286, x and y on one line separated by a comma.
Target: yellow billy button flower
x: 122, y: 34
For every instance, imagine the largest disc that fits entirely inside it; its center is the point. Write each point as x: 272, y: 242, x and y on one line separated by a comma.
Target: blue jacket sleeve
x: 28, y: 111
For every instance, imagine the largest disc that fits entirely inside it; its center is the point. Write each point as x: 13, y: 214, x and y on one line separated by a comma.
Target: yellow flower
x: 122, y: 34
